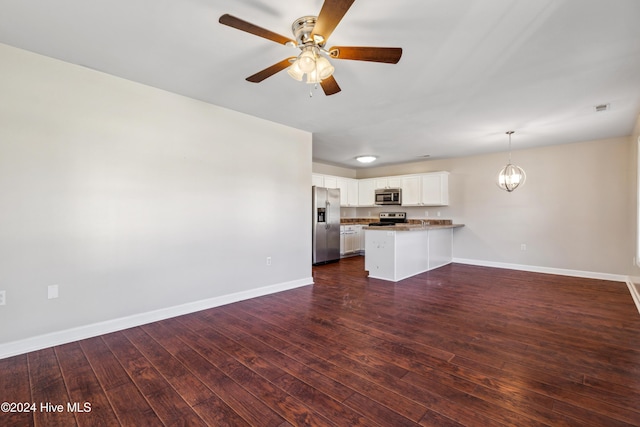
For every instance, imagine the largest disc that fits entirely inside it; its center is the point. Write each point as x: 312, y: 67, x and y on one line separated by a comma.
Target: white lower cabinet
x: 396, y: 255
x: 360, y: 239
x: 350, y: 240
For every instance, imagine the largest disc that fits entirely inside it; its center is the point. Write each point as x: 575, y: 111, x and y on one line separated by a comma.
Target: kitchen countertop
x: 358, y: 221
x: 410, y: 222
x: 414, y: 227
x: 410, y: 225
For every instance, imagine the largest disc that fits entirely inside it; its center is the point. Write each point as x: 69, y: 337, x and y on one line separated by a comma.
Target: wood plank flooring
x: 457, y: 346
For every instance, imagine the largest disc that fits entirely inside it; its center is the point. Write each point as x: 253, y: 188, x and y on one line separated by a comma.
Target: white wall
x: 573, y: 212
x: 132, y: 199
x: 634, y: 206
x: 323, y: 169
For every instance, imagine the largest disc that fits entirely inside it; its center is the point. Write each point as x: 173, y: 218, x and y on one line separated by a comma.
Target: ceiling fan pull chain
x: 315, y: 86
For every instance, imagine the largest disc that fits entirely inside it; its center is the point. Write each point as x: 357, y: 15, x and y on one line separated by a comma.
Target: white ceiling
x: 471, y: 69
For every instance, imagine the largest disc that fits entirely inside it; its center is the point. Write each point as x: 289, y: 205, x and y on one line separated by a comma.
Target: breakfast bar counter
x: 397, y: 252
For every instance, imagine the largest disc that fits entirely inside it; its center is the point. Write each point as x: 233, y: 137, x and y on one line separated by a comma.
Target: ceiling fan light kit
x: 307, y: 59
x: 311, y: 64
x: 310, y: 34
x: 295, y: 72
x: 324, y: 68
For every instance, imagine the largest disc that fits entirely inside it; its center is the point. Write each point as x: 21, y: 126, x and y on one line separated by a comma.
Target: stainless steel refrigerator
x: 326, y: 225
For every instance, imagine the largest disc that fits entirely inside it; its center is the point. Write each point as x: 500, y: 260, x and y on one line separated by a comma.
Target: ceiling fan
x: 311, y: 34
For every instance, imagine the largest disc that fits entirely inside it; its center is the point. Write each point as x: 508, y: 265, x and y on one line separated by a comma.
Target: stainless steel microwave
x: 389, y: 196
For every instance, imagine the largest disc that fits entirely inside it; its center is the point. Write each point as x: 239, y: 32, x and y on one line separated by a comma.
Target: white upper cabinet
x: 348, y: 191
x: 426, y: 189
x: 388, y: 182
x: 327, y: 181
x: 330, y: 181
x: 317, y: 180
x: 429, y: 189
x: 381, y: 183
x: 367, y: 192
x: 411, y: 190
x: 435, y: 189
x: 394, y: 182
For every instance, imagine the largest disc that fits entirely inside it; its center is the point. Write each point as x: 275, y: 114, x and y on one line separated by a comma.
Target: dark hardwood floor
x: 460, y: 345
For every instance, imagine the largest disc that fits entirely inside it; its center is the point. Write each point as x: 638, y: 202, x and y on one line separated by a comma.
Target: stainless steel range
x: 389, y: 219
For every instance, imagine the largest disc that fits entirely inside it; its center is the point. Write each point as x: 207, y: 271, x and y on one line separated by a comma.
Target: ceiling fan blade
x: 270, y: 71
x: 330, y: 16
x: 330, y: 86
x: 389, y: 55
x: 250, y: 28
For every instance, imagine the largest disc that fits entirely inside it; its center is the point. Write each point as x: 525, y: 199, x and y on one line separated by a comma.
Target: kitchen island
x: 396, y: 252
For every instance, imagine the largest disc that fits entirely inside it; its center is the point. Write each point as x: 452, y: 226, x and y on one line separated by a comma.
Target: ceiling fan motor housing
x: 302, y: 29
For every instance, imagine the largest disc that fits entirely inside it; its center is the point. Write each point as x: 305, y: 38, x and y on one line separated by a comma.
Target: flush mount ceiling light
x: 511, y: 176
x: 366, y: 159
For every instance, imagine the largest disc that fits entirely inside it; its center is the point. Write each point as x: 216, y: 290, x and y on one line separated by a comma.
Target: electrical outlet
x: 438, y: 213
x: 426, y: 213
x: 523, y: 247
x: 268, y: 260
x: 3, y: 297
x: 52, y: 291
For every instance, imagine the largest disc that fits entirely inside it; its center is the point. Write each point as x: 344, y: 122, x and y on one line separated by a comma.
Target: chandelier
x: 511, y: 176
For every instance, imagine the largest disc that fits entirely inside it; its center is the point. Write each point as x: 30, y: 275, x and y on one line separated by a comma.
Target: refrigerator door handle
x: 328, y: 211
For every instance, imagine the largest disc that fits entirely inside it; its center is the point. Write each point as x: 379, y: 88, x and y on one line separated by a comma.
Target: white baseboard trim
x: 26, y: 345
x: 548, y: 270
x: 635, y: 293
